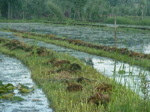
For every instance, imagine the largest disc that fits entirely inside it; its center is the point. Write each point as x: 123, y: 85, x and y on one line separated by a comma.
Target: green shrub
x: 53, y: 11
x: 129, y: 20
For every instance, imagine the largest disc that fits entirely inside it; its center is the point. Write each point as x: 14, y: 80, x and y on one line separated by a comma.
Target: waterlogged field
x: 126, y: 74
x: 135, y: 78
x: 134, y: 40
x: 91, y: 92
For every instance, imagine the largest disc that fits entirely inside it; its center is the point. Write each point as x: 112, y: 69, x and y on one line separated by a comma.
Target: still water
x: 131, y: 76
x: 14, y: 72
x: 138, y: 41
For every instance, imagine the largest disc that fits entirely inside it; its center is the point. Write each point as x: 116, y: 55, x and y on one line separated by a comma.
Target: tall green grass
x: 128, y: 21
x: 122, y: 99
x: 114, y: 55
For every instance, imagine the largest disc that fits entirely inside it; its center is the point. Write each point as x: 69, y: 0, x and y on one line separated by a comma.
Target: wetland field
x: 47, y: 67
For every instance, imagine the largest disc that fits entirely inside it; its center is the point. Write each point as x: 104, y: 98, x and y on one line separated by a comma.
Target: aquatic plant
x: 7, y: 91
x: 24, y: 89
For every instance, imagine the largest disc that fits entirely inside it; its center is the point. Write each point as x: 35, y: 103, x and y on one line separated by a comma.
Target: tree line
x: 94, y: 10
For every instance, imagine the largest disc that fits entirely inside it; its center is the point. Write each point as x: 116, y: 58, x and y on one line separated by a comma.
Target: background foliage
x: 91, y: 10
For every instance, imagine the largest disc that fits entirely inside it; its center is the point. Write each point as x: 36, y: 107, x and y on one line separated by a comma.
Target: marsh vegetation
x: 59, y: 74
x: 75, y: 55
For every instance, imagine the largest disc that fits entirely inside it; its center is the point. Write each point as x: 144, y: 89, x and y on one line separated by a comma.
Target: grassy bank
x: 50, y: 70
x: 129, y: 20
x: 134, y: 59
x: 122, y: 26
x: 22, y: 21
x: 109, y: 20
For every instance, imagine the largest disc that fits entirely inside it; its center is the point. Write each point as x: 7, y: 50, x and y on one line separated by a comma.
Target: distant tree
x: 53, y: 11
x: 96, y: 10
x: 66, y: 6
x: 143, y: 7
x: 148, y: 8
x: 78, y: 7
x: 7, y: 7
x: 3, y: 8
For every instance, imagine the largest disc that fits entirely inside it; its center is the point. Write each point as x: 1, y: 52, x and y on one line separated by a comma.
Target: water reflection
x: 122, y: 72
x: 14, y: 72
x: 133, y: 41
x: 147, y: 49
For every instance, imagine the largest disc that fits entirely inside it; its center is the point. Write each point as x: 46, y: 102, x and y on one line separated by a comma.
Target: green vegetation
x: 132, y: 58
x: 83, y: 10
x: 69, y: 84
x: 22, y: 21
x: 128, y: 20
x: 7, y: 91
x: 51, y: 70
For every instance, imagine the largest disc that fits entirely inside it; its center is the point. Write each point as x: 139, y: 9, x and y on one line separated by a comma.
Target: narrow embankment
x: 126, y: 74
x: 120, y: 54
x: 99, y: 25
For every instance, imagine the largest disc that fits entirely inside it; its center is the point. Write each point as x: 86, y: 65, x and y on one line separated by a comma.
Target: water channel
x: 138, y: 41
x: 14, y: 72
x: 131, y: 76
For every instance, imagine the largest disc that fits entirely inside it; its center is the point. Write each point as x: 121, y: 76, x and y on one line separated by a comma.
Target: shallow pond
x: 131, y: 76
x: 14, y: 72
x: 139, y: 42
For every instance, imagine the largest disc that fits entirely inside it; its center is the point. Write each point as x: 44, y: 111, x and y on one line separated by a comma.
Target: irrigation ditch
x: 120, y: 54
x: 15, y: 79
x: 132, y: 77
x: 50, y: 71
x: 126, y: 38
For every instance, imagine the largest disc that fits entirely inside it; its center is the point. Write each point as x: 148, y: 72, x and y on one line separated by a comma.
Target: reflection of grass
x: 121, y: 71
x: 125, y: 58
x: 55, y: 89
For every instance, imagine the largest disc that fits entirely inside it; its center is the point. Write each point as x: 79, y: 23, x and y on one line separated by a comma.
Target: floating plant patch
x: 7, y: 91
x: 7, y: 96
x: 6, y: 88
x: 25, y: 89
x: 16, y: 98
